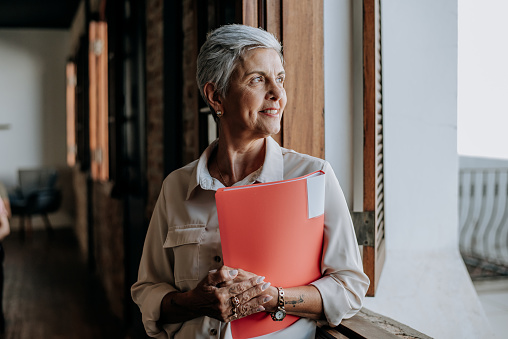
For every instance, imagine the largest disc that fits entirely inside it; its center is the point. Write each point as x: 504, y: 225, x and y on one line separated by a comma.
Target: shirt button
x: 213, y: 331
x: 217, y: 258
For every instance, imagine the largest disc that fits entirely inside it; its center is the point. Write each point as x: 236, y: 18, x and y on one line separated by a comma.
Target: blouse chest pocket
x: 185, y: 242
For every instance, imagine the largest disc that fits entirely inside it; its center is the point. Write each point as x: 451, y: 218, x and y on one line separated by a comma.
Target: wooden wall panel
x: 250, y: 13
x: 273, y: 18
x: 302, y: 37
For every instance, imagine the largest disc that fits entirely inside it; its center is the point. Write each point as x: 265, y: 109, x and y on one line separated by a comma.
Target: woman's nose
x: 275, y: 92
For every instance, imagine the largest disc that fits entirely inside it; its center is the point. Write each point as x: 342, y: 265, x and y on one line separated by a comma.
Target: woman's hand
x: 230, y: 294
x: 226, y: 294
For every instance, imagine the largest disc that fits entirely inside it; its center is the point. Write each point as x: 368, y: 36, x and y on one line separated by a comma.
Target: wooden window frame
x: 370, y: 223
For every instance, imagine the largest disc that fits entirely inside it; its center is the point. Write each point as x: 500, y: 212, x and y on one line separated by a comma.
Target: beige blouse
x: 183, y: 244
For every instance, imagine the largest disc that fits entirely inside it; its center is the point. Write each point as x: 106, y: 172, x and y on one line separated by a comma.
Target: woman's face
x: 256, y: 97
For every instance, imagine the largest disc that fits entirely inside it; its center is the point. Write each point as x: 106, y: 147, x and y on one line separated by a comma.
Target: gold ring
x: 235, y: 301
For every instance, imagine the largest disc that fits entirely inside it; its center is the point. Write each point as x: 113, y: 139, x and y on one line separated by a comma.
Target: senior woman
x: 183, y: 288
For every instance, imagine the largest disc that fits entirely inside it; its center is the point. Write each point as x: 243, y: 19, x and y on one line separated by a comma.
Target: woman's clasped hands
x: 228, y: 294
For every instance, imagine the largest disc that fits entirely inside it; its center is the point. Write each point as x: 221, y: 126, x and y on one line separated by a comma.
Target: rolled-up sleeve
x: 344, y: 284
x: 155, y: 275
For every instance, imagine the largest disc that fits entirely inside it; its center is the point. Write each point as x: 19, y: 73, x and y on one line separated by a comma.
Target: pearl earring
x: 219, y: 114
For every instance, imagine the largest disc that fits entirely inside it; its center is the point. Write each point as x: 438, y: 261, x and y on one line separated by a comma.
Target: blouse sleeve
x: 344, y: 284
x: 155, y: 275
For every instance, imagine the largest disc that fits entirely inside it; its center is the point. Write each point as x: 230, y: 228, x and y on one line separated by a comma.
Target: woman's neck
x: 237, y: 158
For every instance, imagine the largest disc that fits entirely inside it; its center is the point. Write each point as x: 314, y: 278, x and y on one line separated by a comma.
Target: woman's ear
x: 212, y: 96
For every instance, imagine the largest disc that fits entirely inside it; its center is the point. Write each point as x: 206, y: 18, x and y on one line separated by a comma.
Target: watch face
x: 279, y: 315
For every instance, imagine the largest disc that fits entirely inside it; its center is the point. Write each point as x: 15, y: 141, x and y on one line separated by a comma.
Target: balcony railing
x: 483, y: 219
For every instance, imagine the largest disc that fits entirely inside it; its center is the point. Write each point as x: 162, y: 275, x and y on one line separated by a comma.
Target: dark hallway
x: 49, y: 292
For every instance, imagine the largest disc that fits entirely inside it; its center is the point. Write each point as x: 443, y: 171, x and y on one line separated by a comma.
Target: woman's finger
x: 220, y: 276
x: 254, y: 305
x: 252, y: 292
x: 241, y: 276
x: 251, y: 298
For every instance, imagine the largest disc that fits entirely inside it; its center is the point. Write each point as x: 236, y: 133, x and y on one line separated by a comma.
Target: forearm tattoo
x: 294, y: 302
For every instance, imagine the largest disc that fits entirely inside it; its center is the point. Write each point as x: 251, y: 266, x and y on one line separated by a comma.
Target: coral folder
x: 273, y: 230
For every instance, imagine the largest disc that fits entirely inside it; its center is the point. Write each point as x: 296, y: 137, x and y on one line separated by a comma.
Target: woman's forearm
x: 302, y: 301
x: 176, y: 307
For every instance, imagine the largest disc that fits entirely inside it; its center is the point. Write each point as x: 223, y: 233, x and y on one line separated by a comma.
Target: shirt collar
x: 272, y: 170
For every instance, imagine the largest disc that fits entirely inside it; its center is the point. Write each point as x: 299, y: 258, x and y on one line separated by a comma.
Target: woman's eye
x: 280, y: 80
x: 257, y: 79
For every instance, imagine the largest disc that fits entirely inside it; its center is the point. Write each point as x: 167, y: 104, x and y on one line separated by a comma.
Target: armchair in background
x: 36, y: 194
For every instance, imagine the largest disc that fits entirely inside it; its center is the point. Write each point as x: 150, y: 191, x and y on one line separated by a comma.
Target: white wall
x: 424, y: 283
x: 482, y: 73
x: 32, y: 100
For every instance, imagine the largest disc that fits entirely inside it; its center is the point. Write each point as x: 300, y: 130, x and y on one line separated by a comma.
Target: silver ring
x: 235, y: 301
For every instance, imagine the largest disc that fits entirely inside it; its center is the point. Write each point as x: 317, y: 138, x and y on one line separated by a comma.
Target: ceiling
x: 56, y: 14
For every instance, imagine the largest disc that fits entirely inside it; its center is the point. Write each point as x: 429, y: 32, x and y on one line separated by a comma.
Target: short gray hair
x: 222, y: 50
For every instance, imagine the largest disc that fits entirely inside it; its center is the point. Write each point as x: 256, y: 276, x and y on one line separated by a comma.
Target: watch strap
x: 280, y: 304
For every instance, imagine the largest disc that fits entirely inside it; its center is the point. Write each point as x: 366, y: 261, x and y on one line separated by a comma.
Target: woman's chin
x: 272, y: 131
x: 272, y: 127
x: 266, y: 132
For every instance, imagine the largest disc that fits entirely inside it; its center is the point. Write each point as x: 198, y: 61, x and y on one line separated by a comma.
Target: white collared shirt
x: 183, y: 244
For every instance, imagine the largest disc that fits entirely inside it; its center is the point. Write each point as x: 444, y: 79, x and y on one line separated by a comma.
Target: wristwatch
x: 280, y: 313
